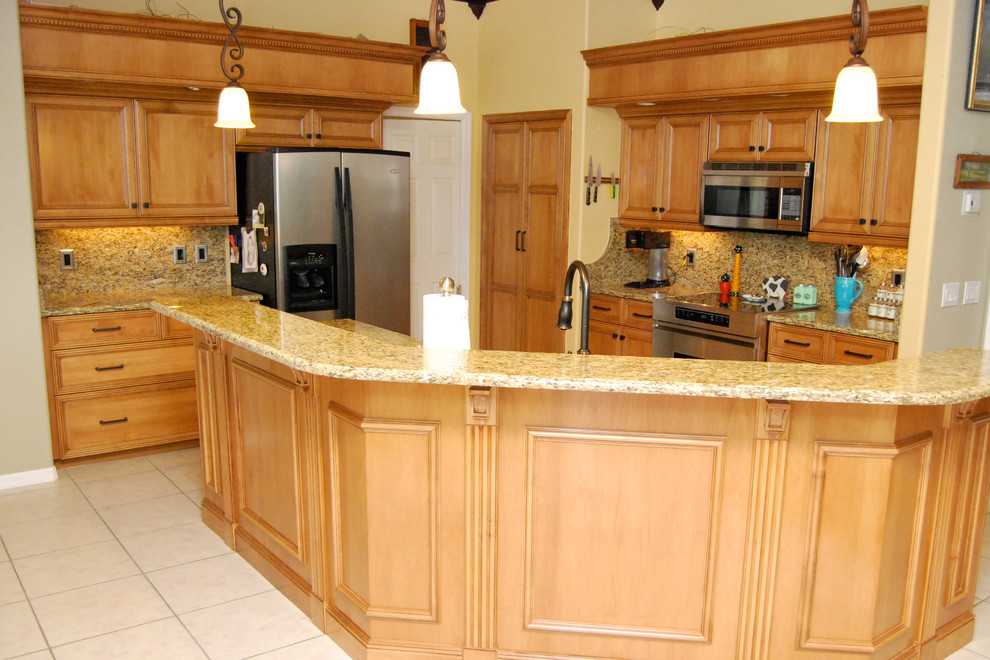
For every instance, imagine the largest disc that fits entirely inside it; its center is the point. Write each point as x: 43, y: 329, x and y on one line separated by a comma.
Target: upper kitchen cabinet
x: 864, y: 179
x: 660, y: 170
x: 312, y: 127
x: 134, y: 162
x: 769, y: 136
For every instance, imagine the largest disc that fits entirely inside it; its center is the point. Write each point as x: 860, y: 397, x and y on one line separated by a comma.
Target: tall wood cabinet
x: 525, y: 190
x: 96, y: 161
x: 864, y: 179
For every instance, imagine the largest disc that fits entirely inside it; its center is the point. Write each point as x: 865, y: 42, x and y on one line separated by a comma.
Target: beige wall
x: 25, y: 443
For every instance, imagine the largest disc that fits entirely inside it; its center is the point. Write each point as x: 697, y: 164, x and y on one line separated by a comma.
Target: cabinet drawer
x: 806, y: 344
x: 847, y: 349
x: 98, y: 369
x: 605, y: 308
x: 98, y: 423
x: 101, y: 329
x: 172, y: 329
x: 637, y: 314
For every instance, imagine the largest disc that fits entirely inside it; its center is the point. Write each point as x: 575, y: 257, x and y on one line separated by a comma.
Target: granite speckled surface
x: 374, y: 332
x: 855, y: 323
x: 951, y: 376
x: 122, y: 301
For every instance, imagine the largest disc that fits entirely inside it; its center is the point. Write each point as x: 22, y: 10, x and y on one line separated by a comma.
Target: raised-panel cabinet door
x: 788, y: 135
x: 186, y: 164
x: 894, y: 188
x: 277, y: 127
x: 734, y: 136
x: 685, y: 145
x: 82, y: 157
x: 603, y: 338
x: 638, y: 343
x: 349, y: 129
x: 639, y: 169
x: 843, y: 179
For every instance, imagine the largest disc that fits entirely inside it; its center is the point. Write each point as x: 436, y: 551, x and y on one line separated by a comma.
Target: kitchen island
x: 440, y: 504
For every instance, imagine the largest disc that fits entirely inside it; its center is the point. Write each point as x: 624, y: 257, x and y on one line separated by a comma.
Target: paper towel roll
x: 445, y: 322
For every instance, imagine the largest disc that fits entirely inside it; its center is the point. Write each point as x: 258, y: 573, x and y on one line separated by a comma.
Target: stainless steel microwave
x: 759, y: 196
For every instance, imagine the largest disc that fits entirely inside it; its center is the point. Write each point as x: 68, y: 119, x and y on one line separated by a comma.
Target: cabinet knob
x: 133, y: 205
x: 615, y: 335
x: 862, y: 221
x: 762, y: 148
x: 752, y: 148
x: 146, y: 205
x: 309, y: 136
x: 873, y: 222
x: 662, y: 210
x: 319, y: 136
x: 622, y: 337
x: 655, y: 209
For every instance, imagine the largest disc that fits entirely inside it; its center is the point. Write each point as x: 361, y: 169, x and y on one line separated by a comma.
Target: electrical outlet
x: 202, y: 254
x: 971, y: 292
x: 950, y: 294
x: 897, y: 276
x: 691, y: 258
x: 67, y: 259
x: 178, y: 254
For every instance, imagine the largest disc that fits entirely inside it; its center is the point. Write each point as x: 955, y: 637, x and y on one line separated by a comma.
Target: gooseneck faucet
x: 567, y: 309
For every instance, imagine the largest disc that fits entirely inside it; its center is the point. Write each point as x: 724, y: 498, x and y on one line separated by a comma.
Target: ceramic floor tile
x: 120, y: 467
x: 62, y: 480
x: 62, y: 570
x: 983, y: 580
x: 174, y: 545
x: 39, y: 536
x: 985, y: 550
x: 127, y: 489
x: 40, y: 655
x: 70, y: 616
x: 19, y: 632
x: 981, y: 636
x: 196, y: 496
x: 208, y: 582
x: 173, y: 458
x: 10, y: 586
x: 3, y: 551
x: 249, y: 626
x: 965, y: 654
x: 40, y: 504
x: 318, y: 648
x: 160, y: 640
x: 150, y: 515
x: 185, y: 477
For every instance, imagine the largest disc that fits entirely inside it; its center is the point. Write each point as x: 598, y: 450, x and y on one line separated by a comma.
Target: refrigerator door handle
x: 345, y: 285
x: 348, y: 240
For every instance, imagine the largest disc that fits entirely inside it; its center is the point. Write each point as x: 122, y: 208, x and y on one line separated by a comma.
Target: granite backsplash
x: 800, y: 260
x: 127, y: 259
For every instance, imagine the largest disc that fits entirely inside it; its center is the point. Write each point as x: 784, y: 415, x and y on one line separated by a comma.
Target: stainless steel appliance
x: 708, y: 326
x: 658, y: 245
x: 338, y: 233
x: 758, y: 196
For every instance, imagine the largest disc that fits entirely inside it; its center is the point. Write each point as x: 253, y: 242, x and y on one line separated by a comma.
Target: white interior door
x: 439, y: 204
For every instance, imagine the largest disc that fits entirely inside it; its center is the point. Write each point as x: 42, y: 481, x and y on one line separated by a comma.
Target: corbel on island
x: 483, y: 504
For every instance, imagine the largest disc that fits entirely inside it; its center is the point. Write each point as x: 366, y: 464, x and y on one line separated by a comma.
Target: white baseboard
x: 29, y: 478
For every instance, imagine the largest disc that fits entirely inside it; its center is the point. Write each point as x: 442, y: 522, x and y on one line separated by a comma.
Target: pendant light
x: 855, y: 97
x: 439, y: 93
x: 477, y: 6
x: 233, y: 110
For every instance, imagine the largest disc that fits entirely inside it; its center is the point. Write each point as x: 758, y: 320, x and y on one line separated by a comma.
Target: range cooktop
x: 647, y: 284
x: 720, y: 311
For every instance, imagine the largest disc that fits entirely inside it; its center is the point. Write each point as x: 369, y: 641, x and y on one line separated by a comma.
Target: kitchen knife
x: 598, y: 181
x: 612, y: 179
x: 591, y: 171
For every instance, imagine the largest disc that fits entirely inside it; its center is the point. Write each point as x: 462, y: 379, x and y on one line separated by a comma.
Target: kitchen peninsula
x: 484, y: 504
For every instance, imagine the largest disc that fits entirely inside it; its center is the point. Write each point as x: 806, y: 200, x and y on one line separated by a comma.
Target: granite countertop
x: 374, y: 332
x: 122, y: 301
x: 951, y: 376
x: 855, y: 323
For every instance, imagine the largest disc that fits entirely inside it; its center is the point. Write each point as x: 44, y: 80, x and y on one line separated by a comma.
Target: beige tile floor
x: 112, y: 561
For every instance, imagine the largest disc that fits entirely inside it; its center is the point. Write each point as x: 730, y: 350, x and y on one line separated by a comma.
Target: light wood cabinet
x: 312, y: 127
x: 524, y: 228
x: 783, y: 135
x: 791, y: 343
x: 864, y: 179
x: 620, y: 326
x: 116, y: 381
x: 660, y: 170
x: 98, y: 162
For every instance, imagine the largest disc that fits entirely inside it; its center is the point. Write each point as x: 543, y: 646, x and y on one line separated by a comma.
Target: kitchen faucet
x: 567, y: 310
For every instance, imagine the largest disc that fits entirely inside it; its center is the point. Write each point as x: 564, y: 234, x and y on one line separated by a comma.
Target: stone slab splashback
x: 800, y: 260
x: 127, y: 259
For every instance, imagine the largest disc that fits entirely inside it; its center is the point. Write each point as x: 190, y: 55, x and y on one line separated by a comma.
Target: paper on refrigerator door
x: 249, y: 251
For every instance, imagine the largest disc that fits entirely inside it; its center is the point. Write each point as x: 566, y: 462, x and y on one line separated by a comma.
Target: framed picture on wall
x: 979, y: 73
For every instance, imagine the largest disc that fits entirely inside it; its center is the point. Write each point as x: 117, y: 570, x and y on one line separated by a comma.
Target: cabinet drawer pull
x: 604, y: 309
x: 797, y: 343
x: 860, y: 355
x: 104, y: 422
x: 523, y: 242
x: 642, y: 316
x: 119, y: 366
x: 113, y: 329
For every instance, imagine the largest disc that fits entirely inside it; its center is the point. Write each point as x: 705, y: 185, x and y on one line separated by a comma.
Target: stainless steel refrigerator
x: 337, y: 243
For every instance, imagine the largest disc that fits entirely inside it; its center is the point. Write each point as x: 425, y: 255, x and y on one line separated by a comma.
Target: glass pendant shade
x: 439, y: 93
x: 855, y: 97
x: 234, y: 111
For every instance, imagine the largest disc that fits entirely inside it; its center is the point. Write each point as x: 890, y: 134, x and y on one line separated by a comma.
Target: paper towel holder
x: 447, y: 286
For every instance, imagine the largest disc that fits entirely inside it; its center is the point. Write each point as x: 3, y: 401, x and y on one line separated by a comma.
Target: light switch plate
x: 950, y: 294
x: 972, y: 200
x: 971, y: 292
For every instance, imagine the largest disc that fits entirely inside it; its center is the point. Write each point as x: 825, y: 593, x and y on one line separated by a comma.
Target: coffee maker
x: 658, y: 244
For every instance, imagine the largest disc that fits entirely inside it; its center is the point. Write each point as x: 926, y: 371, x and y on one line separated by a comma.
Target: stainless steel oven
x: 758, y: 196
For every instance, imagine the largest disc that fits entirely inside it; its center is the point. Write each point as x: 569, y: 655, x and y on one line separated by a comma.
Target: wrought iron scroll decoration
x: 861, y: 20
x: 232, y: 47
x: 438, y: 38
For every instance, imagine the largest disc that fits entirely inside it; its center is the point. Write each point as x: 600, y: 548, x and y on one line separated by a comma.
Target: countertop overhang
x: 945, y: 377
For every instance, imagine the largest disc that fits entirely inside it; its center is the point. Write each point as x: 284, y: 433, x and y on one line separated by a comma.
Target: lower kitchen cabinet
x: 789, y: 343
x: 118, y: 380
x: 620, y: 326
